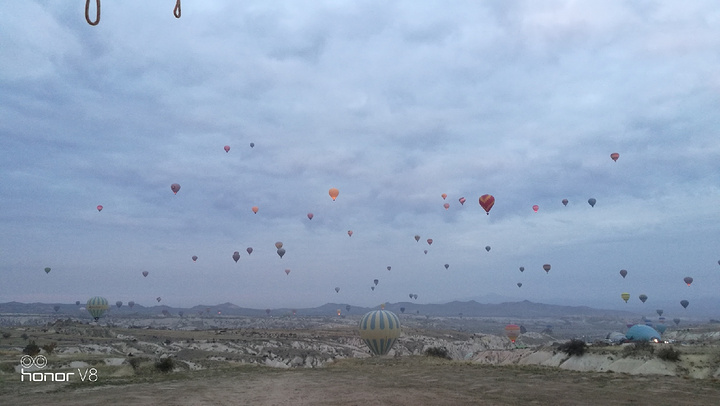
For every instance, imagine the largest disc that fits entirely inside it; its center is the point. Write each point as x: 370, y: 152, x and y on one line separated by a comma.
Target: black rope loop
x: 177, y: 11
x: 97, y: 13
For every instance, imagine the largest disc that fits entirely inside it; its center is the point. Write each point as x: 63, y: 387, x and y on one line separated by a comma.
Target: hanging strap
x: 177, y: 11
x: 97, y: 14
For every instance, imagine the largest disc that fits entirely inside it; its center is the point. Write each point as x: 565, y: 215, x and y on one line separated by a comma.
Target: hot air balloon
x: 118, y: 304
x: 337, y: 290
x: 338, y: 312
x: 684, y: 303
x: 643, y: 298
x: 444, y: 195
x: 56, y: 308
x: 415, y: 296
x: 447, y: 266
x: 546, y: 267
x: 252, y: 145
x: 255, y: 209
x: 158, y: 299
x: 278, y: 245
x: 333, y: 193
x: 417, y: 237
x: 77, y: 303
x: 389, y: 267
x: 47, y: 270
x: 688, y: 280
x: 429, y: 241
x: 462, y: 200
x: 379, y: 329
x: 512, y: 331
x: 446, y: 206
x: 487, y: 248
x: 96, y: 306
x: 659, y: 312
x: 676, y: 321
x: 145, y: 273
x: 99, y: 208
x: 249, y: 250
x: 348, y: 307
x: 536, y: 208
x: 402, y: 310
x: 519, y: 284
x: 372, y: 288
x: 425, y: 251
x: 267, y: 311
x: 592, y: 201
x: 310, y: 216
x: 564, y: 202
x: 281, y: 252
x: 410, y: 295
x: 350, y: 233
x: 194, y: 258
x: 614, y: 156
x: 625, y: 296
x: 236, y: 256
x: 375, y: 281
x: 175, y: 188
x: 522, y: 269
x: 226, y: 148
x: 287, y: 272
x: 487, y: 202
x: 623, y: 273
x: 131, y: 304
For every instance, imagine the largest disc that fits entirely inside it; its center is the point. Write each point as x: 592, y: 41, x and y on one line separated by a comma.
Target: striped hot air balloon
x: 96, y: 306
x: 380, y: 329
x: 512, y: 331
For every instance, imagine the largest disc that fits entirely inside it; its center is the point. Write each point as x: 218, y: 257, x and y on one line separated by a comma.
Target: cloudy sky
x: 393, y: 103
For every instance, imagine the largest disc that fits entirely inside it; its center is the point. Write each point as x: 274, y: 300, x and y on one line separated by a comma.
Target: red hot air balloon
x: 444, y: 196
x: 145, y: 273
x: 429, y: 241
x: 688, y: 280
x: 99, y: 208
x: 175, y: 187
x: 536, y: 208
x: 333, y: 192
x: 236, y: 256
x: 310, y: 216
x: 546, y: 267
x: 564, y: 202
x: 194, y: 258
x: 623, y: 273
x: 227, y: 148
x: 614, y: 156
x: 462, y: 200
x: 446, y: 206
x: 487, y: 202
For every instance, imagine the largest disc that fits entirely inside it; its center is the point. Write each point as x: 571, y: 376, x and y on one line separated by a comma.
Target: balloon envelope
x: 310, y: 216
x: 278, y: 244
x: 376, y: 282
x: 536, y: 208
x: 688, y: 280
x: 337, y: 290
x: 614, y: 156
x: 131, y: 304
x: 281, y: 252
x: 592, y: 201
x: 487, y: 248
x: 96, y: 306
x: 47, y: 270
x: 249, y: 250
x: 99, y: 208
x: 564, y: 202
x: 519, y: 284
x: 444, y: 195
x: 643, y: 298
x: 175, y: 187
x: 333, y: 192
x: 379, y: 329
x: 547, y: 267
x: 145, y: 273
x: 118, y: 304
x: 487, y: 202
x: 623, y: 273
x: 462, y: 200
x: 625, y: 296
x: 447, y: 266
x: 255, y: 209
x: 226, y: 148
x: 236, y: 256
x: 194, y: 258
x: 350, y: 233
x: 429, y: 241
x: 252, y: 145
x: 512, y: 331
x: 446, y: 206
x: 522, y: 269
x: 287, y: 272
x: 641, y: 332
x: 417, y: 238
x: 684, y: 303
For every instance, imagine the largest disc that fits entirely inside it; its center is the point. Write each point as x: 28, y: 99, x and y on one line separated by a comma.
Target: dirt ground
x: 415, y: 380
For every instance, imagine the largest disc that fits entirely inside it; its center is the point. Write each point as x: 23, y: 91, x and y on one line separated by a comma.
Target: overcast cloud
x: 393, y: 103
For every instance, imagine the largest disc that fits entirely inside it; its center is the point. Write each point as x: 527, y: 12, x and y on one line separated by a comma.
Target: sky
x: 392, y: 103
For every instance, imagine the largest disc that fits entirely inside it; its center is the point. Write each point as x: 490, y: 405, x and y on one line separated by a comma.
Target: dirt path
x: 407, y: 381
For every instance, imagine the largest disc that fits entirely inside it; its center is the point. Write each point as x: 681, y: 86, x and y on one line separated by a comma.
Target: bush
x: 165, y: 365
x: 639, y: 349
x: 49, y: 348
x: 5, y: 334
x: 574, y: 347
x: 440, y: 352
x: 668, y: 354
x: 24, y: 336
x: 31, y: 349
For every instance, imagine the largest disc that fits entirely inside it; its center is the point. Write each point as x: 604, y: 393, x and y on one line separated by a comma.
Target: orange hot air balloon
x: 310, y: 216
x: 255, y: 209
x: 99, y: 207
x: 512, y: 331
x: 227, y: 148
x: 175, y: 187
x: 278, y: 245
x: 546, y: 267
x: 462, y: 200
x: 614, y: 156
x: 446, y: 206
x: 536, y: 208
x: 350, y: 233
x: 487, y: 202
x: 333, y: 193
x: 444, y: 196
x: 429, y: 241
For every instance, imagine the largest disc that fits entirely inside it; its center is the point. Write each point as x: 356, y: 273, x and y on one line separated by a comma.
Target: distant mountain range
x: 524, y: 309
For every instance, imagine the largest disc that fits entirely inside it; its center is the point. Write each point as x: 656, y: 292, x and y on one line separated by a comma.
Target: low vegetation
x: 439, y: 352
x: 574, y: 347
x: 639, y: 349
x: 31, y: 349
x: 165, y: 365
x: 668, y: 354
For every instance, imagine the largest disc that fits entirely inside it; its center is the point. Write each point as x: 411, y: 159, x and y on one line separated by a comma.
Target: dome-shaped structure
x: 380, y: 329
x: 641, y: 332
x: 97, y: 306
